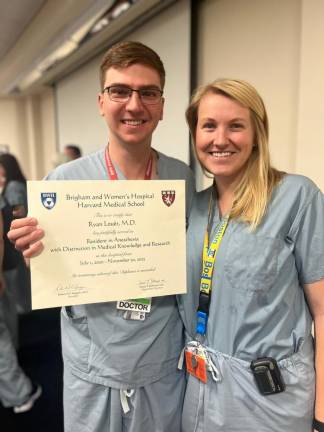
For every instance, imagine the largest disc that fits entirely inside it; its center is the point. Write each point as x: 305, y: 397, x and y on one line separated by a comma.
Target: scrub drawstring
x: 124, y: 395
x: 181, y: 359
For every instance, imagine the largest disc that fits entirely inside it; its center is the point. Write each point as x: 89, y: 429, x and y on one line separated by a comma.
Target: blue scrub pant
x: 155, y: 407
x: 15, y: 386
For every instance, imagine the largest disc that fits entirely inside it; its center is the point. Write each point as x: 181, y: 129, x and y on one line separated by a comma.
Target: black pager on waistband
x: 267, y: 376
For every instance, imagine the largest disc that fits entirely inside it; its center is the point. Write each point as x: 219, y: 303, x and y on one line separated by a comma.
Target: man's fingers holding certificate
x: 33, y: 250
x: 26, y: 235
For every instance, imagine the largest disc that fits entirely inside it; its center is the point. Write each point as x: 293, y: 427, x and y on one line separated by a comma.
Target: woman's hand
x: 26, y: 236
x: 315, y: 298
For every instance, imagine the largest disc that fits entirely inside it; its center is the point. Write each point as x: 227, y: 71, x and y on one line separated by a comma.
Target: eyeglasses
x: 149, y: 96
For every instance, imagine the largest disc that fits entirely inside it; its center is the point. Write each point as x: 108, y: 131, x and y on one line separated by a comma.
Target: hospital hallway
x: 40, y: 357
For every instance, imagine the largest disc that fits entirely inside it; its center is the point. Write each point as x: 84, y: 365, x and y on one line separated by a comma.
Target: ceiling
x: 43, y: 40
x: 15, y: 15
x: 31, y: 31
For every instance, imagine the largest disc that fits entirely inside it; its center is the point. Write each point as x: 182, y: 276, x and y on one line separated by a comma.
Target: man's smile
x: 130, y: 122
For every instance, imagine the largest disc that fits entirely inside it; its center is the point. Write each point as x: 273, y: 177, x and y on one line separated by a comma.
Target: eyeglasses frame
x: 106, y: 90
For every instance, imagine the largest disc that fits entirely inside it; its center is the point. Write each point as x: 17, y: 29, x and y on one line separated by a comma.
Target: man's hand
x: 26, y: 235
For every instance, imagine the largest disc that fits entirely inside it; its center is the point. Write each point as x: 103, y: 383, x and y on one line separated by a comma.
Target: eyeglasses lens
x: 123, y: 94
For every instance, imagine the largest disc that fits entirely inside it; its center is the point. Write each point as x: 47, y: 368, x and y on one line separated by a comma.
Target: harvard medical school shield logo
x: 48, y: 199
x: 168, y: 197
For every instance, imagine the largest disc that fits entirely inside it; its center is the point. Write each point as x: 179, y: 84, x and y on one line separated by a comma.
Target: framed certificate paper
x: 108, y: 240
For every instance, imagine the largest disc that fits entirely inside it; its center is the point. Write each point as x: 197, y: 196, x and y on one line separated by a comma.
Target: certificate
x: 107, y: 240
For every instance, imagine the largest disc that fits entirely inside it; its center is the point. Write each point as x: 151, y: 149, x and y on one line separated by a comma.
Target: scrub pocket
x: 76, y: 341
x: 234, y: 404
x: 256, y: 262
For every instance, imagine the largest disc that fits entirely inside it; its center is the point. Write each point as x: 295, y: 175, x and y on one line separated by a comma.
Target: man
x: 121, y: 374
x: 72, y: 152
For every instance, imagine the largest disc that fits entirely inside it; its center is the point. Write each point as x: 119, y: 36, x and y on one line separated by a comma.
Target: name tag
x: 135, y: 305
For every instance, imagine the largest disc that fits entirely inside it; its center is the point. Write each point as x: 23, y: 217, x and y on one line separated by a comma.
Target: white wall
x: 13, y: 130
x: 27, y: 126
x: 310, y: 147
x: 48, y: 135
x: 276, y: 46
x: 78, y: 118
x: 10, y: 133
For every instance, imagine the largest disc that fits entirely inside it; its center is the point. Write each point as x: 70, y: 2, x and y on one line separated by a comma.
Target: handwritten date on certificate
x: 117, y: 244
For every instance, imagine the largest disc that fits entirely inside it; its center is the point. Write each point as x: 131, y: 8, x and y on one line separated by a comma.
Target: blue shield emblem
x: 48, y: 199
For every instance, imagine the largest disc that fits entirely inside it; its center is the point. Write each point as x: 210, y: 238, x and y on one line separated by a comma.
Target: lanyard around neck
x: 112, y: 174
x: 208, y: 263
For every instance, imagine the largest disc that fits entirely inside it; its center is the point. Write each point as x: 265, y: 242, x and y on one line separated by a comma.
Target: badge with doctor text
x: 135, y: 309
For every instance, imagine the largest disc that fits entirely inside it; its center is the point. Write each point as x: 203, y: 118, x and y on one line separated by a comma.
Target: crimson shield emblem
x: 168, y: 197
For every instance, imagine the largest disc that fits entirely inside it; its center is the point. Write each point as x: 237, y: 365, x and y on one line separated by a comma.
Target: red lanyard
x: 112, y: 174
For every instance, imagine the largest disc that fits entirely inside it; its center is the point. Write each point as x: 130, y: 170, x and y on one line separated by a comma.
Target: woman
x: 14, y: 193
x: 255, y: 251
x: 13, y: 183
x: 17, y: 391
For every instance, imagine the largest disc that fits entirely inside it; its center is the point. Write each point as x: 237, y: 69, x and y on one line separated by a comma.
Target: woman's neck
x: 225, y: 197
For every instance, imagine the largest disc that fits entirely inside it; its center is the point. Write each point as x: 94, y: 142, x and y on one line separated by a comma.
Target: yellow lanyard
x: 208, y: 264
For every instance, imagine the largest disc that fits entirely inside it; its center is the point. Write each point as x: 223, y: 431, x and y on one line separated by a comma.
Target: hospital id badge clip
x: 196, y: 365
x: 134, y: 315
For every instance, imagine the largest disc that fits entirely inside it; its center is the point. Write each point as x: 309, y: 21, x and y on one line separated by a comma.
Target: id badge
x: 135, y: 309
x: 196, y: 365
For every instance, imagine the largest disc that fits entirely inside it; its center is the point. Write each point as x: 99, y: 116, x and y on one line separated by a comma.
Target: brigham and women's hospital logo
x: 48, y: 199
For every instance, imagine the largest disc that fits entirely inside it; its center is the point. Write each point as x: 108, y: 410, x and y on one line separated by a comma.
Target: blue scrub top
x: 99, y: 345
x: 257, y: 304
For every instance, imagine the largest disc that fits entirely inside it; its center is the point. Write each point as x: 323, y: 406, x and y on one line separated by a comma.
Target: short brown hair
x: 127, y: 53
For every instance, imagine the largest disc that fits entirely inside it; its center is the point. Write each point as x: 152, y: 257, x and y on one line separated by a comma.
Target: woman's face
x: 224, y: 137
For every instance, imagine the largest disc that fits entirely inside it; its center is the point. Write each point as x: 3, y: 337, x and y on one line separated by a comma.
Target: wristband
x: 317, y: 425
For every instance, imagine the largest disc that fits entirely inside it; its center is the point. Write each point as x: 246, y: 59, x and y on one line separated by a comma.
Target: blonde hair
x: 255, y: 188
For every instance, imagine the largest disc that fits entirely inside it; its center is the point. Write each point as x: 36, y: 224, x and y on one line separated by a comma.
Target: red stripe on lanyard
x: 112, y: 174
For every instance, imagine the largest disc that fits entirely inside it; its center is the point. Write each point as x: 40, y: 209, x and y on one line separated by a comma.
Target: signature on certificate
x: 70, y: 288
x: 149, y: 284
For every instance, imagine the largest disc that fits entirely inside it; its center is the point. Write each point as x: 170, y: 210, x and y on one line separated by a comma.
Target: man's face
x: 131, y: 122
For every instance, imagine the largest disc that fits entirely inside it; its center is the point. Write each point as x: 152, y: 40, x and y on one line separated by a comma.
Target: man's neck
x: 131, y: 160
